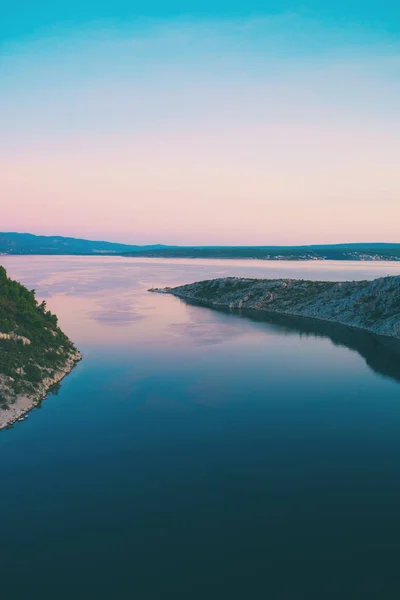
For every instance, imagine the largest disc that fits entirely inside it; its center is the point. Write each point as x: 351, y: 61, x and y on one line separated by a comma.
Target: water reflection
x: 104, y: 300
x: 116, y: 311
x: 381, y: 354
x: 191, y: 442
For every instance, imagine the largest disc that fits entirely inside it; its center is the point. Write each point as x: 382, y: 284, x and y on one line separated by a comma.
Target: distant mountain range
x: 27, y: 243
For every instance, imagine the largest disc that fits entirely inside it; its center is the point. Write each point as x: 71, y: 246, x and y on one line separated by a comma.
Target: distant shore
x: 23, y: 244
x: 355, y: 257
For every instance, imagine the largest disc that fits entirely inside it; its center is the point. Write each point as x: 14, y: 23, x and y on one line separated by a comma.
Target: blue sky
x: 25, y: 17
x: 209, y: 123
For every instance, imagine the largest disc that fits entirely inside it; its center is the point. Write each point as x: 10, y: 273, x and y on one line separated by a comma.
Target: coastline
x: 287, y: 315
x: 25, y: 403
x: 372, y: 306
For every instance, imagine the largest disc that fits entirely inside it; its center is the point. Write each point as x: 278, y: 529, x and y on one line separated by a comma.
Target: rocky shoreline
x: 24, y: 403
x: 373, y: 306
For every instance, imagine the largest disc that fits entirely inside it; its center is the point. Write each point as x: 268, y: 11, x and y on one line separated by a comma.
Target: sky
x: 202, y: 123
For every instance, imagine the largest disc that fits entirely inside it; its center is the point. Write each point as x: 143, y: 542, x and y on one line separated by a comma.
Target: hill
x: 367, y: 251
x: 27, y: 243
x: 370, y: 305
x: 34, y: 353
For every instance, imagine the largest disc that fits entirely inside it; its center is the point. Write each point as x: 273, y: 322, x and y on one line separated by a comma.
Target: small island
x: 34, y: 353
x: 370, y: 305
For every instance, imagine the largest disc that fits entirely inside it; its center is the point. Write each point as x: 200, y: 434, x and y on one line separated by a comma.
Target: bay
x: 199, y: 453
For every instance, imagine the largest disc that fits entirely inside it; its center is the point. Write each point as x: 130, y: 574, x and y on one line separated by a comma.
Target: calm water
x: 200, y: 454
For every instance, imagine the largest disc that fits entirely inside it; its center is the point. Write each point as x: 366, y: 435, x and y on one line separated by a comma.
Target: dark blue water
x: 200, y: 454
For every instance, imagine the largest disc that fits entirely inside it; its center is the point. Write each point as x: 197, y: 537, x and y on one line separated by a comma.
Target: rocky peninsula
x: 369, y: 305
x: 35, y: 354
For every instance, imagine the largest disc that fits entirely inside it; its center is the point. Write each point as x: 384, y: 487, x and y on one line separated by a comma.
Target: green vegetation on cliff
x: 32, y: 346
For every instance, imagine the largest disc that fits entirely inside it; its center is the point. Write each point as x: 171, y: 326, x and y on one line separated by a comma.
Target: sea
x: 196, y: 453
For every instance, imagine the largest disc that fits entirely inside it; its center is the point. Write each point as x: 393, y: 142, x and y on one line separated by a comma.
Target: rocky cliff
x: 370, y: 305
x: 34, y: 353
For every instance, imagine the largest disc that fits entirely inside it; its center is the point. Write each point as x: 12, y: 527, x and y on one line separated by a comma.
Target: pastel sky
x: 210, y: 123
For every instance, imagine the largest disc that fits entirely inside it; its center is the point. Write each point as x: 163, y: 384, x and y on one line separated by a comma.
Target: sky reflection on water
x: 196, y: 451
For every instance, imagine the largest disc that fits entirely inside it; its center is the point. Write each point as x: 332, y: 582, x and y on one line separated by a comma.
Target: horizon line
x: 200, y: 245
